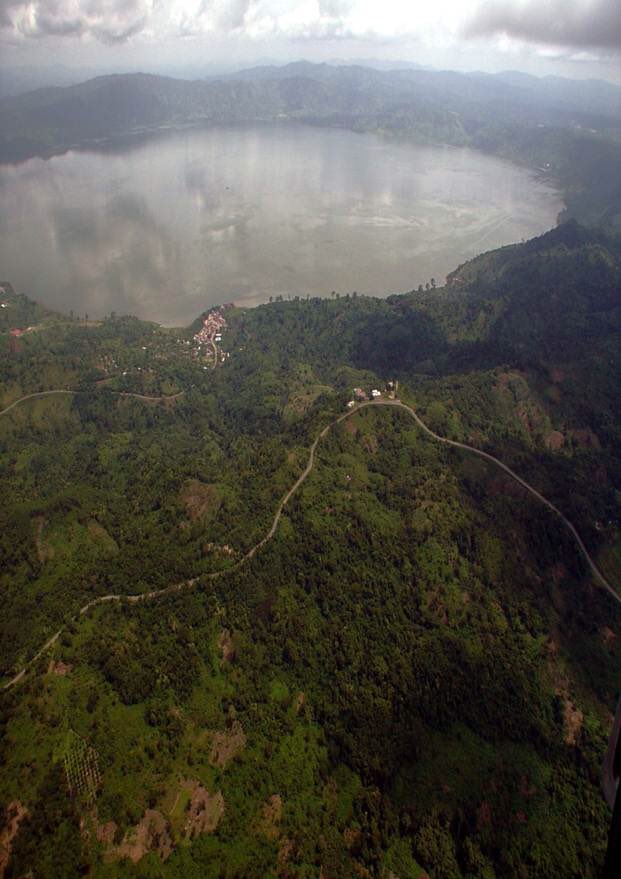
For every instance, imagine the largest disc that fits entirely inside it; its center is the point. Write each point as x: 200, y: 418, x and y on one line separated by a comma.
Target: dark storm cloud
x: 579, y: 24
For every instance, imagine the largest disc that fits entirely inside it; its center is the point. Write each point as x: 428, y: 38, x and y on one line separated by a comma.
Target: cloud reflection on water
x: 165, y: 228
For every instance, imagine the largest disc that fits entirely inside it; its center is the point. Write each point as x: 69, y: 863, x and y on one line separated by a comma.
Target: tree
x: 434, y: 846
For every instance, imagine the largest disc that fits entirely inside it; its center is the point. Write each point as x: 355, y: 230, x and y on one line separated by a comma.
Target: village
x: 140, y: 357
x: 210, y: 335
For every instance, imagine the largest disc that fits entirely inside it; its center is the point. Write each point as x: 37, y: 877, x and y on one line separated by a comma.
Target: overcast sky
x: 567, y: 37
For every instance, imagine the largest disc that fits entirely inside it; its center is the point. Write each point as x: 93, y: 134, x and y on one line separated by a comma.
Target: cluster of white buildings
x: 211, y: 331
x: 361, y: 396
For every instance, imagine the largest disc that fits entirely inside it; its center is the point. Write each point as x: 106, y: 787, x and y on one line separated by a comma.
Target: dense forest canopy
x: 414, y: 676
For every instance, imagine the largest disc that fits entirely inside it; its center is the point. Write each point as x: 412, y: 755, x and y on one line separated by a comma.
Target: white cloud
x: 119, y: 20
x: 580, y: 25
x: 109, y: 21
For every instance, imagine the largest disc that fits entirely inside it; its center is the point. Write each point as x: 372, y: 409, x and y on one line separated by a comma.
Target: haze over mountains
x: 16, y: 80
x: 567, y: 129
x: 432, y: 103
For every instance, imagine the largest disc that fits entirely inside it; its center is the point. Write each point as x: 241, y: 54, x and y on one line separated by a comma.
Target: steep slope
x: 415, y: 675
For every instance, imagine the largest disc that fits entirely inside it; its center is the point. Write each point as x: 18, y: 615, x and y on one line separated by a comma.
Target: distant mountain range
x: 570, y: 129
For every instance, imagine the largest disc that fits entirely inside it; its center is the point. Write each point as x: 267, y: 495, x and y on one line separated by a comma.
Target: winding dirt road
x: 395, y: 404
x: 32, y: 396
x: 160, y: 399
x: 441, y: 439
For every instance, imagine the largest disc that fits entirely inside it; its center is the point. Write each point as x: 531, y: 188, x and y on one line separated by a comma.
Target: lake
x: 165, y: 227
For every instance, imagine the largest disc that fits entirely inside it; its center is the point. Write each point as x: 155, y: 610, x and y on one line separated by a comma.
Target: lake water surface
x: 167, y: 227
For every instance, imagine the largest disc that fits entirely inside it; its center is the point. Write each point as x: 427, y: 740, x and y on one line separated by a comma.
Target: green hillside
x: 414, y: 676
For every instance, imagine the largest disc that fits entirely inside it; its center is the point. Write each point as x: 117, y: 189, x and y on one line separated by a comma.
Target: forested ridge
x: 568, y: 130
x: 415, y: 675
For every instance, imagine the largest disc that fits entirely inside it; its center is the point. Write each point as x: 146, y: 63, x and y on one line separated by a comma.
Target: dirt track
x: 395, y: 404
x: 160, y: 399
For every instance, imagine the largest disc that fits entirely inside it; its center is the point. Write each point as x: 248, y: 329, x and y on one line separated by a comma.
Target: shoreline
x: 468, y: 247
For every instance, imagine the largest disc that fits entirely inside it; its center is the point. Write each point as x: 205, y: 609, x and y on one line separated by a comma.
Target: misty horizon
x: 578, y: 40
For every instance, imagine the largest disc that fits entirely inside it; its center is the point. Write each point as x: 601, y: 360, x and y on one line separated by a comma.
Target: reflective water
x: 169, y: 226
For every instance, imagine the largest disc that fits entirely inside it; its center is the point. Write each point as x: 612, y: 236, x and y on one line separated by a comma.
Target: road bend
x: 394, y: 404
